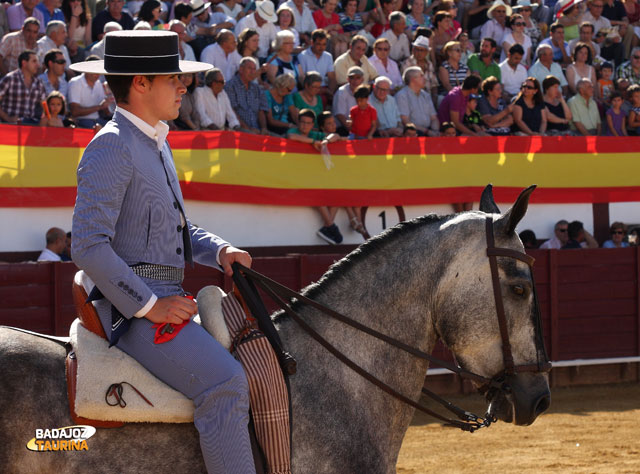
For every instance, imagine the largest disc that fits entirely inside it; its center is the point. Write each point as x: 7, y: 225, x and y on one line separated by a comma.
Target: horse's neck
x: 379, y: 291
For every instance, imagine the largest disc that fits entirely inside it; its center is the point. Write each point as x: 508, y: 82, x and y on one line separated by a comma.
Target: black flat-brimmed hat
x: 130, y: 53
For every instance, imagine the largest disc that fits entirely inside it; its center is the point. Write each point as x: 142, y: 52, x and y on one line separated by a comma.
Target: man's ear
x: 140, y: 84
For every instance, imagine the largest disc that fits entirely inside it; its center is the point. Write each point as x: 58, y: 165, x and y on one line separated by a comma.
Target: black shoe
x: 331, y: 234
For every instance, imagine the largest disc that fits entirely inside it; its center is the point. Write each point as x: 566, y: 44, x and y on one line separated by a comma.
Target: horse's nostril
x: 543, y: 404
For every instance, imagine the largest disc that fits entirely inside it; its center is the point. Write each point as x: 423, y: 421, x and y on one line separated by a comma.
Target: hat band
x: 141, y: 64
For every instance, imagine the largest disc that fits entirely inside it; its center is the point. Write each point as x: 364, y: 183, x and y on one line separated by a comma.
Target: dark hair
x: 145, y: 10
x: 615, y: 95
x: 490, y: 41
x: 471, y: 82
x: 580, y: 45
x: 245, y: 36
x: 513, y: 18
x: 50, y: 56
x: 58, y: 95
x: 575, y: 228
x: 529, y: 239
x: 323, y: 117
x: 516, y: 49
x: 606, y: 65
x: 120, y: 86
x: 555, y: 26
x: 84, y: 17
x: 182, y: 10
x: 194, y: 83
x: 537, y: 99
x: 307, y: 113
x: 362, y: 92
x: 446, y: 126
x: 618, y: 225
x: 438, y: 17
x: 549, y: 82
x: 24, y: 57
x: 422, y: 31
x: 489, y: 83
x: 318, y: 34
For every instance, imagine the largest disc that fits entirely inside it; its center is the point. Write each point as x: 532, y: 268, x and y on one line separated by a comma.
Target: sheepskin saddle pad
x: 99, y: 367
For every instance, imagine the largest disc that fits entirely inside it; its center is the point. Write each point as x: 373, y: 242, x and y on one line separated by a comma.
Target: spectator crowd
x: 356, y: 69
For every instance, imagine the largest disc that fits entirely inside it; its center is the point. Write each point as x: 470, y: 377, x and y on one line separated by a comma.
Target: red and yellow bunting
x: 37, y: 169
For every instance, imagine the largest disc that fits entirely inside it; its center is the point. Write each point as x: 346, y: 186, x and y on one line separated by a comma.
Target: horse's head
x: 467, y: 318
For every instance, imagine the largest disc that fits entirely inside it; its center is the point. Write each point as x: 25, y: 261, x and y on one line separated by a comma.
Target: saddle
x: 225, y: 318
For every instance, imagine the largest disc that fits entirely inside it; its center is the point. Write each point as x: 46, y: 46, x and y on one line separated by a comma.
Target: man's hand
x: 229, y: 255
x: 172, y: 309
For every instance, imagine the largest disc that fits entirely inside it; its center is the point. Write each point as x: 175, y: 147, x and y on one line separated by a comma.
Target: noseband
x: 470, y: 422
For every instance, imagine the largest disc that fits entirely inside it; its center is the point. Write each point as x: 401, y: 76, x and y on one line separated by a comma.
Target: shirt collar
x: 158, y: 133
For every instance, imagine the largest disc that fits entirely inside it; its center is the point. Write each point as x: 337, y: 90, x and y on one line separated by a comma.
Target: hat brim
x: 201, y: 9
x: 97, y: 67
x: 533, y: 6
x: 494, y: 6
x: 269, y: 18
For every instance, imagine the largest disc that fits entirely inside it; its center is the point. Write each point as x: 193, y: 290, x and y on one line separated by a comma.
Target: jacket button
x: 139, y: 298
x: 126, y: 287
x: 175, y: 204
x: 120, y: 283
x: 179, y: 251
x: 179, y: 228
x: 130, y: 291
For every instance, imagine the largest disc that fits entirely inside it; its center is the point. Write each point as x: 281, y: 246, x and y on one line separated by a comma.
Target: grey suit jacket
x: 128, y: 211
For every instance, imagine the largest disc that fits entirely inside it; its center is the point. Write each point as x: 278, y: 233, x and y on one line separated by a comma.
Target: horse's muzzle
x: 524, y: 397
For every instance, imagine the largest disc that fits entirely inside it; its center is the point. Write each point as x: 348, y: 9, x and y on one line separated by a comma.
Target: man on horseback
x: 132, y: 237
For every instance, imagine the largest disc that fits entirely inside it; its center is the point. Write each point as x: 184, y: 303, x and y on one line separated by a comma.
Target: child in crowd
x: 364, y: 118
x: 56, y: 107
x: 328, y: 126
x: 605, y: 83
x: 304, y: 133
x: 410, y: 130
x: 616, y: 118
x: 472, y: 118
x: 447, y: 129
x: 633, y: 92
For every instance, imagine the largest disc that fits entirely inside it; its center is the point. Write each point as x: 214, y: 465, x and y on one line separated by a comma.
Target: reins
x: 470, y: 422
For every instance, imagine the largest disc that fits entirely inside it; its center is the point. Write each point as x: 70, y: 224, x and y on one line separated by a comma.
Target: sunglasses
x: 636, y: 57
x: 617, y: 232
x: 382, y: 49
x: 528, y: 9
x: 217, y: 81
x: 520, y: 23
x: 531, y: 88
x: 562, y: 230
x: 60, y: 61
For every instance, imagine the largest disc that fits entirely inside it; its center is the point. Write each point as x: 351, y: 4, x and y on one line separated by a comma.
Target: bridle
x: 244, y: 278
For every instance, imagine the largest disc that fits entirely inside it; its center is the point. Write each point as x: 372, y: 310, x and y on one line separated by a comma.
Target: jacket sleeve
x: 104, y: 174
x: 206, y: 246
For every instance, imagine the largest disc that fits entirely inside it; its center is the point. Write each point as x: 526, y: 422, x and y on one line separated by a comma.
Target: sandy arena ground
x: 592, y: 429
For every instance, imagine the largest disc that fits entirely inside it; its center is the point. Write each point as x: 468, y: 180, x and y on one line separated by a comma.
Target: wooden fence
x: 589, y: 299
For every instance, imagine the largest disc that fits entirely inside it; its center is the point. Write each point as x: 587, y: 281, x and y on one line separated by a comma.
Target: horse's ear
x: 487, y: 204
x: 508, y: 222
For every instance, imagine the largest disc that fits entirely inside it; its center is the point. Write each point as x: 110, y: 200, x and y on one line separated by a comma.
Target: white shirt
x: 45, y: 44
x: 310, y: 62
x: 214, y: 110
x: 512, y: 80
x: 49, y: 256
x: 304, y: 21
x: 495, y: 30
x: 391, y: 71
x: 215, y: 55
x: 399, y: 45
x: 82, y: 94
x: 267, y: 33
x: 98, y: 49
x: 189, y: 55
x: 508, y: 38
x: 601, y: 22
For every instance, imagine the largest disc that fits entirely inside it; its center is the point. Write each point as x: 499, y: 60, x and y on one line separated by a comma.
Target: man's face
x: 546, y: 56
x: 29, y: 4
x: 357, y: 50
x: 319, y: 46
x: 115, y: 7
x: 329, y: 125
x: 164, y: 96
x: 355, y: 80
x: 595, y: 8
x: 586, y: 33
x: 259, y: 20
x: 229, y: 45
x: 399, y: 27
x: 562, y: 232
x: 58, y: 64
x: 30, y: 33
x: 486, y: 50
x: 180, y: 30
x: 31, y: 65
x: 500, y: 14
x: 59, y: 36
x: 247, y: 71
x: 514, y: 59
x: 417, y: 81
x: 635, y: 59
x: 586, y: 90
x: 381, y: 90
x: 558, y: 35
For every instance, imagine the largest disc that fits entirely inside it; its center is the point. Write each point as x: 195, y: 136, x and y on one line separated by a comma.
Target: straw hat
x: 267, y: 11
x: 199, y: 6
x: 524, y: 4
x: 140, y: 52
x: 496, y: 4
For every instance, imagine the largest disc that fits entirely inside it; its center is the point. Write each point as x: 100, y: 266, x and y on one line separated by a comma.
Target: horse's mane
x: 375, y: 244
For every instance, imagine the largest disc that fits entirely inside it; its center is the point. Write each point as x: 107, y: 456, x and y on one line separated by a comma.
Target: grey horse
x: 419, y: 281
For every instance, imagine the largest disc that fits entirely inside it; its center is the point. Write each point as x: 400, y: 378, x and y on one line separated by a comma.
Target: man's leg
x: 196, y: 365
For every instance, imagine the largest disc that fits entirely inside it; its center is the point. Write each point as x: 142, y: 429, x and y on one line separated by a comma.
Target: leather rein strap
x: 470, y: 422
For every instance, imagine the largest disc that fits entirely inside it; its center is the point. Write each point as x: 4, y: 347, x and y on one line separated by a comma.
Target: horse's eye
x: 518, y: 290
